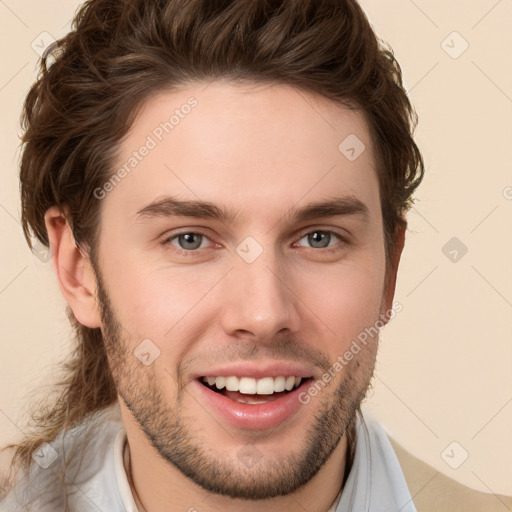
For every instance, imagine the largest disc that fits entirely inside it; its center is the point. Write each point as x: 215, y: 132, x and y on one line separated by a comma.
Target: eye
x: 321, y: 239
x: 188, y: 241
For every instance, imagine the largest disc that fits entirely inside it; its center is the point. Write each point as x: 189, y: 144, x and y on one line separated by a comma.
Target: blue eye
x: 189, y: 241
x: 321, y: 239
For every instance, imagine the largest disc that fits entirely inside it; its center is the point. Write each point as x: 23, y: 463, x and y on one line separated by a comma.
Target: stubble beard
x: 174, y: 437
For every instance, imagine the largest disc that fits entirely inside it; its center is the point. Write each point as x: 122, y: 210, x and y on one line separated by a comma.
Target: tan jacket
x: 432, y: 491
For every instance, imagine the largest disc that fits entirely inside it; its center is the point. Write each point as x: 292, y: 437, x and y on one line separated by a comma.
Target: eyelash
x: 193, y: 252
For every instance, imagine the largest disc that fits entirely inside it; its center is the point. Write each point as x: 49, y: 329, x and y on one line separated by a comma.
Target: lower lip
x: 251, y: 416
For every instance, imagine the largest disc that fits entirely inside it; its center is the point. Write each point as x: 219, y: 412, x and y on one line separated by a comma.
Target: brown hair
x: 121, y: 51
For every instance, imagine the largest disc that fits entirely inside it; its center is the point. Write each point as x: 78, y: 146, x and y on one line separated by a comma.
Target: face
x: 237, y: 261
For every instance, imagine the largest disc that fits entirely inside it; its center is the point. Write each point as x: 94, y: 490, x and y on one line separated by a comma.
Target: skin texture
x: 259, y: 152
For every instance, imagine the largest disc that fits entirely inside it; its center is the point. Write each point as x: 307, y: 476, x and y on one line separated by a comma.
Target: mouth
x: 252, y: 403
x: 248, y: 390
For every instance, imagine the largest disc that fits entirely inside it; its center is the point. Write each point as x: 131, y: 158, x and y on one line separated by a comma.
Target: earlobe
x: 74, y: 272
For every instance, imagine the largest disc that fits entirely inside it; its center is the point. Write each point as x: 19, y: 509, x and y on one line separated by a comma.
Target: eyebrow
x: 172, y: 207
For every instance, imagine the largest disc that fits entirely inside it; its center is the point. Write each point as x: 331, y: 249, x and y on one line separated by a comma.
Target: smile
x: 248, y: 385
x: 252, y: 403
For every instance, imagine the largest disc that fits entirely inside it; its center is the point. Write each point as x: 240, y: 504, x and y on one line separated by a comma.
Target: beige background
x: 444, y: 370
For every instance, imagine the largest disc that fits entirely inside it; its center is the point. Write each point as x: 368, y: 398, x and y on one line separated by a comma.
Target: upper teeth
x: 247, y: 385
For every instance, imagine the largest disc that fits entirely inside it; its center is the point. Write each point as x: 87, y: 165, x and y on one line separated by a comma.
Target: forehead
x: 244, y: 148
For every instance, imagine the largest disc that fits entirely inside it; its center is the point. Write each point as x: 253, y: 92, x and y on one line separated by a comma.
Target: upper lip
x: 258, y: 371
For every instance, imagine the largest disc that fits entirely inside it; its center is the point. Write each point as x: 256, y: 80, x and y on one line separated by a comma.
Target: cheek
x: 346, y: 300
x: 158, y: 303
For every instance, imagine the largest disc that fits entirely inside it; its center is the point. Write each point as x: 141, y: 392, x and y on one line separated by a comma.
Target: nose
x: 258, y: 299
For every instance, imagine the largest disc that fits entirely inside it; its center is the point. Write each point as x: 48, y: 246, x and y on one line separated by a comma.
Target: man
x: 223, y: 186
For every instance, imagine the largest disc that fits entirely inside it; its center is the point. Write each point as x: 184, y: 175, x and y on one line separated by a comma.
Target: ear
x: 74, y: 272
x: 395, y: 253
